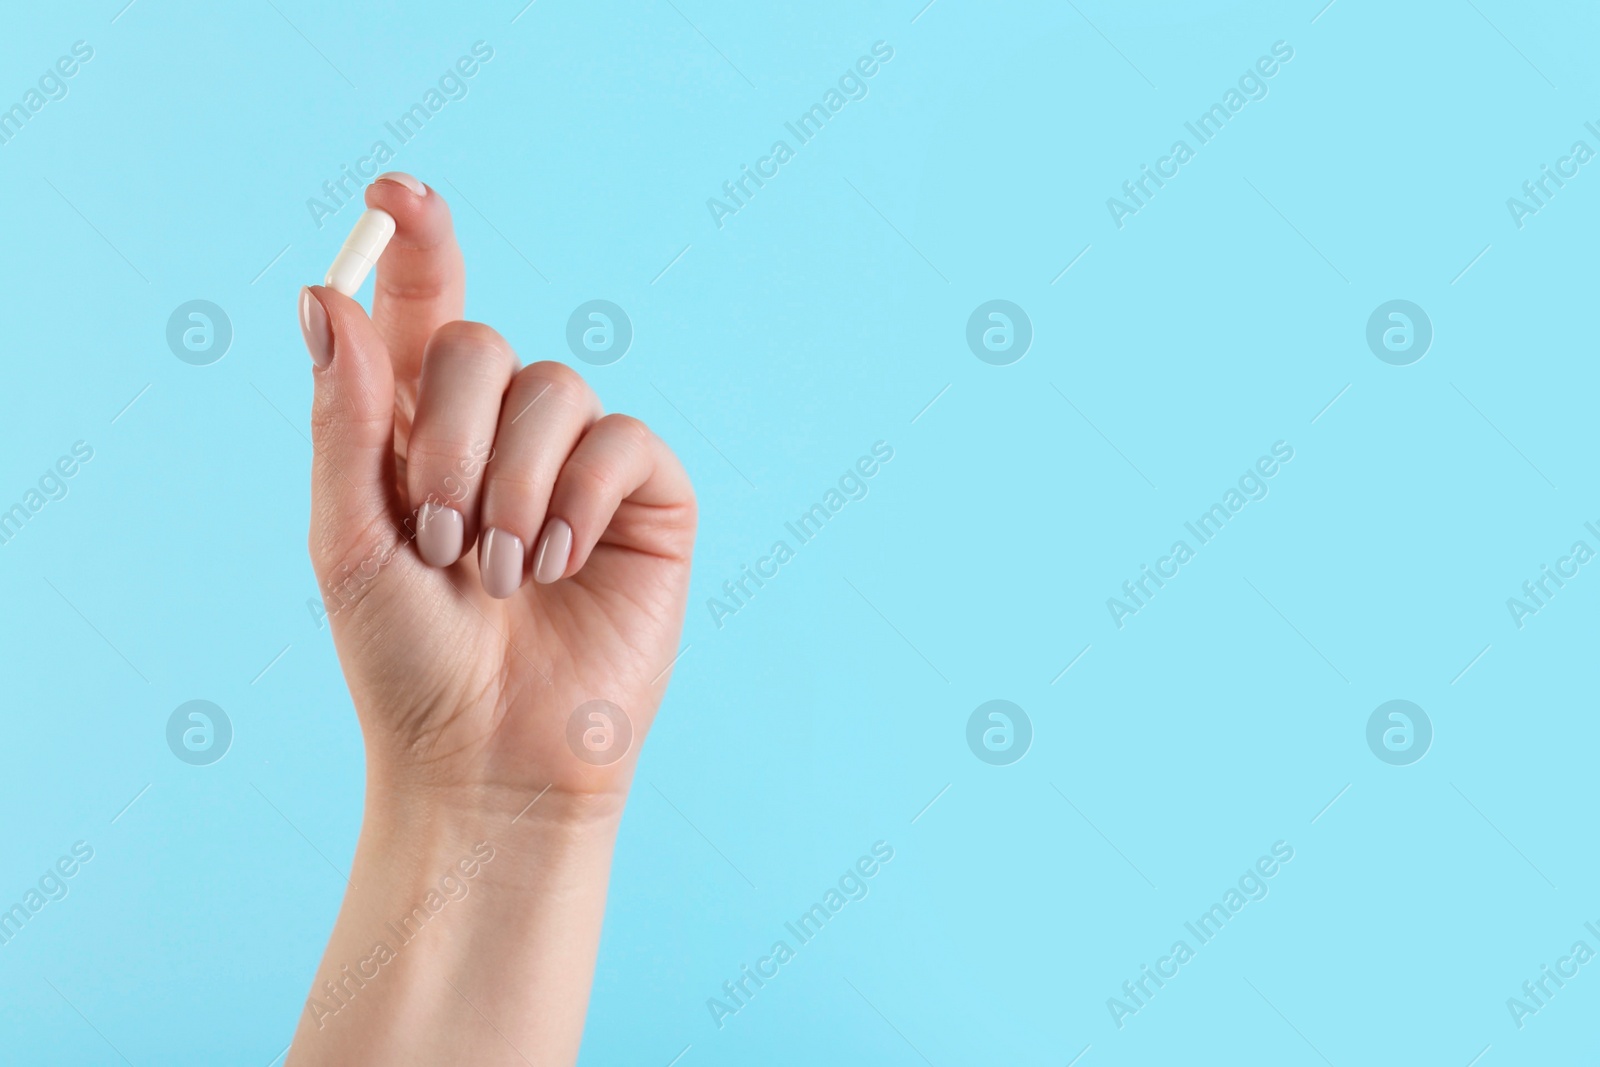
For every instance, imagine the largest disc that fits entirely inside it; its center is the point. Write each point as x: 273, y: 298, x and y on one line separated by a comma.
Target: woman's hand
x: 505, y: 570
x: 494, y: 552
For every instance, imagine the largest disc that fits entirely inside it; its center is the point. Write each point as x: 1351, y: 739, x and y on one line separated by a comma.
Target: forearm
x: 468, y: 933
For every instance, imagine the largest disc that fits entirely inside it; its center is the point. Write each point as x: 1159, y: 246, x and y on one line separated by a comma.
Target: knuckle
x: 438, y: 472
x: 324, y: 422
x: 558, y: 382
x: 632, y: 432
x: 471, y: 342
x: 433, y: 454
x: 519, y: 488
x: 584, y: 479
x: 337, y: 422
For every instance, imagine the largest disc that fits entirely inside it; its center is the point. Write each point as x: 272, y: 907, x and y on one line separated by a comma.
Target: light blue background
x: 1224, y: 317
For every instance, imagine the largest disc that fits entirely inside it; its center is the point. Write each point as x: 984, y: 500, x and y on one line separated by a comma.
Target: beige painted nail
x: 500, y: 561
x: 555, y: 549
x: 315, y: 328
x: 440, y: 532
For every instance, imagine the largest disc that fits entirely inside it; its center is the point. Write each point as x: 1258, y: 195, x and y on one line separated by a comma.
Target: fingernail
x: 402, y: 178
x: 555, y: 548
x: 440, y: 532
x: 316, y: 329
x: 500, y: 562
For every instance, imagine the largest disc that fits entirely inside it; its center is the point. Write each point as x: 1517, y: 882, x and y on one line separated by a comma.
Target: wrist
x: 463, y: 903
x: 419, y: 802
x: 415, y: 834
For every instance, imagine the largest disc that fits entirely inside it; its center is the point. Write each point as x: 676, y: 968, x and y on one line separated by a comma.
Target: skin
x: 465, y: 699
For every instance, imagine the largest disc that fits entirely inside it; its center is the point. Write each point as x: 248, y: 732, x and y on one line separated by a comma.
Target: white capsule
x: 361, y: 250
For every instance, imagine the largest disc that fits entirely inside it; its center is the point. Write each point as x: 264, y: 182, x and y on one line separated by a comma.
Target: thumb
x: 354, y: 504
